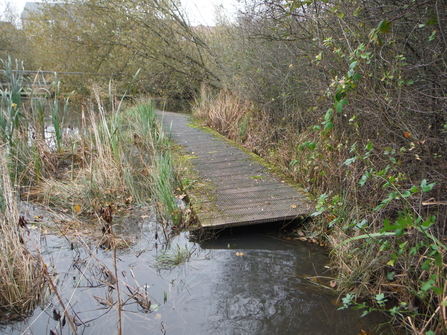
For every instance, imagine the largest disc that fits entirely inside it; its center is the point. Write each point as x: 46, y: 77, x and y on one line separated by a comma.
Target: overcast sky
x: 201, y: 11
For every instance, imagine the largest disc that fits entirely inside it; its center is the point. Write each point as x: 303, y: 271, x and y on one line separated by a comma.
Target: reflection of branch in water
x: 110, y: 280
x: 53, y: 287
x: 107, y: 310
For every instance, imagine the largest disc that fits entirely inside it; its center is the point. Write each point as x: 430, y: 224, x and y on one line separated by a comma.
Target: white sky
x: 201, y: 11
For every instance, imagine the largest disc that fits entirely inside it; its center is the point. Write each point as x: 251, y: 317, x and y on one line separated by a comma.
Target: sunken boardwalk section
x: 243, y: 191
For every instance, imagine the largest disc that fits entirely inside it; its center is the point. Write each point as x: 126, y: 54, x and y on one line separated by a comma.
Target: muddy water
x: 245, y: 282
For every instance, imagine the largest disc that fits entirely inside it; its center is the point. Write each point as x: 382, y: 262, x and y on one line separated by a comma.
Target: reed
x: 163, y: 188
x: 121, y: 157
x: 150, y: 151
x: 58, y: 116
x: 174, y: 257
x: 225, y: 112
x: 129, y: 160
x: 21, y: 279
x: 10, y: 116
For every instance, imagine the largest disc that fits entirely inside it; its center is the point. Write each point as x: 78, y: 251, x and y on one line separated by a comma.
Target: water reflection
x: 262, y: 292
x: 238, y: 284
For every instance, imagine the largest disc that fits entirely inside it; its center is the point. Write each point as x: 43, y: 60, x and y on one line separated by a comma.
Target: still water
x: 247, y: 281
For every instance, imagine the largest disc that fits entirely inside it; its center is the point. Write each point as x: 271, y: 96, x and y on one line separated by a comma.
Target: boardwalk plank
x: 245, y: 191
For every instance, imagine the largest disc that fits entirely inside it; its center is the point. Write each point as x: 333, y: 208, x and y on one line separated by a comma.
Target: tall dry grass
x: 121, y: 157
x: 223, y: 111
x: 21, y: 278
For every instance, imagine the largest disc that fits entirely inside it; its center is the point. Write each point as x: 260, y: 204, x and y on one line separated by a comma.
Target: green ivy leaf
x: 384, y: 26
x: 386, y: 225
x: 338, y: 107
x: 328, y: 126
x: 391, y: 262
x: 328, y: 115
x: 353, y: 65
x: 390, y: 275
x: 339, y: 96
x: 425, y: 187
x: 365, y: 177
x: 438, y: 290
x: 380, y: 297
x: 426, y: 265
x: 384, y: 171
x: 357, y: 76
x: 427, y: 285
x: 406, y: 194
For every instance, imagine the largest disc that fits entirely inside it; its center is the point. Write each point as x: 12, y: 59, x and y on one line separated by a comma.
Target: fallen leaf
x: 240, y: 254
x: 332, y: 283
x: 303, y: 239
x: 77, y: 208
x: 293, y: 206
x: 407, y: 134
x: 299, y: 232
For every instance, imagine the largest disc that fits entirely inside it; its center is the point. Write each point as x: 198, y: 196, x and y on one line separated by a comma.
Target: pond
x: 246, y: 281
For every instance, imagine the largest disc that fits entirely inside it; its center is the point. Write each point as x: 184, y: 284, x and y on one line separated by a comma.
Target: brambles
x: 340, y: 105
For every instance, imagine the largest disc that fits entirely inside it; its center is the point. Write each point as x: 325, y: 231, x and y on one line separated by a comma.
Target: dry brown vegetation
x: 348, y: 98
x: 21, y: 279
x: 115, y: 159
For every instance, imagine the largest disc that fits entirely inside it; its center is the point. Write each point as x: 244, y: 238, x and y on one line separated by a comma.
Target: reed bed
x: 118, y: 158
x: 21, y: 279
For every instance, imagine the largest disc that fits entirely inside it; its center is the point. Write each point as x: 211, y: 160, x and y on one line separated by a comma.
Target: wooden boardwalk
x: 245, y: 192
